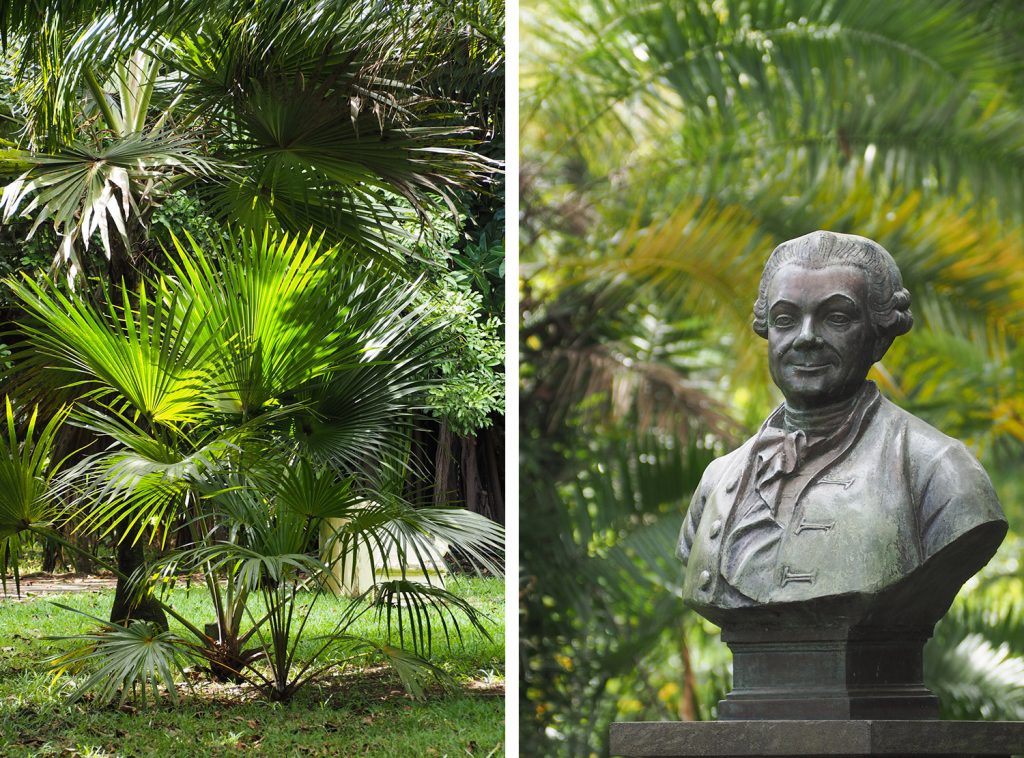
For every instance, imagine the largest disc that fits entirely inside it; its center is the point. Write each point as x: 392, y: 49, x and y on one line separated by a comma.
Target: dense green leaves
x: 298, y: 115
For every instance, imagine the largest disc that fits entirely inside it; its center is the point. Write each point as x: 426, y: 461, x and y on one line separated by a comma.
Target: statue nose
x: 807, y: 337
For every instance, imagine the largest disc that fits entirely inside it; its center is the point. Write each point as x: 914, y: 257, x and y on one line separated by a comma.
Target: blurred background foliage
x: 666, y: 149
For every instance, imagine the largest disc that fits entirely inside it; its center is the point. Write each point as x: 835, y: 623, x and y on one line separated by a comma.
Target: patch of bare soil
x: 34, y: 585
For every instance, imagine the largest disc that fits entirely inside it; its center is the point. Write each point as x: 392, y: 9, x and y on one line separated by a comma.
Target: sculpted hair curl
x: 888, y: 299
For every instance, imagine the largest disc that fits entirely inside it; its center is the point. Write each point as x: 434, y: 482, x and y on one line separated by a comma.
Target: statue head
x: 829, y: 305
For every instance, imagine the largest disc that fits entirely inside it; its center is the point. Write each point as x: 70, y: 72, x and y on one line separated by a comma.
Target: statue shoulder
x: 713, y: 474
x: 928, y: 447
x: 719, y: 467
x: 952, y: 491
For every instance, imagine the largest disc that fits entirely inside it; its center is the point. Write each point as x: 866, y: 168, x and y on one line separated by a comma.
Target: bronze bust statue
x: 845, y: 517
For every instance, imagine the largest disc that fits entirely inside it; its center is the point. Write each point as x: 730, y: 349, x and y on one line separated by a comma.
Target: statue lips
x: 803, y: 368
x: 807, y: 364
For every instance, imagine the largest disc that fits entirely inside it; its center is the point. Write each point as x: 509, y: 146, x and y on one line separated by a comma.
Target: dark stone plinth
x: 835, y: 739
x: 828, y: 673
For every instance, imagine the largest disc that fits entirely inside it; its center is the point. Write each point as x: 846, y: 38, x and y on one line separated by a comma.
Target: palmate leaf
x: 413, y: 670
x: 150, y: 354
x: 270, y: 294
x: 286, y: 119
x: 310, y: 491
x: 304, y: 319
x: 379, y: 529
x: 141, y: 481
x: 415, y: 609
x: 84, y: 189
x: 361, y: 412
x: 297, y: 199
x: 129, y: 659
x: 324, y: 112
x: 266, y: 559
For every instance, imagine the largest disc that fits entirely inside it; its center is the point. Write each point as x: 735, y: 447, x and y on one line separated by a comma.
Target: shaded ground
x: 363, y: 711
x: 34, y: 585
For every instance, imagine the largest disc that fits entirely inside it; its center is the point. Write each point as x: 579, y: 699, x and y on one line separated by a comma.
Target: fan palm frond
x: 84, y: 189
x: 130, y: 659
x: 149, y: 354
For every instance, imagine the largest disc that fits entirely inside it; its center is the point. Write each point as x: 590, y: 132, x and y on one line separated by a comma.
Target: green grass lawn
x: 353, y: 712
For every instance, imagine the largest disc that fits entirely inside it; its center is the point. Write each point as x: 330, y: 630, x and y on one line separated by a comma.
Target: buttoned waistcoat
x: 857, y: 522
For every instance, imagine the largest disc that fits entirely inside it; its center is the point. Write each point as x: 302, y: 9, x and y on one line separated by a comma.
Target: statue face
x: 821, y: 340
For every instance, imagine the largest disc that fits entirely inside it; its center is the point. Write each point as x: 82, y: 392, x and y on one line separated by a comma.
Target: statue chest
x: 846, y: 528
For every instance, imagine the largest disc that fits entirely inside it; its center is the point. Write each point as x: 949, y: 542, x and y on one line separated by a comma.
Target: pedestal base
x: 827, y: 673
x: 835, y: 739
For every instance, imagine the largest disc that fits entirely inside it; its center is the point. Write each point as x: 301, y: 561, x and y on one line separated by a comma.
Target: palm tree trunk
x: 130, y: 552
x: 130, y: 556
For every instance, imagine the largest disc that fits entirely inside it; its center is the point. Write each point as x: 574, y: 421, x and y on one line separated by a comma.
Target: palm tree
x: 293, y: 114
x: 262, y: 395
x: 296, y: 116
x: 667, y: 149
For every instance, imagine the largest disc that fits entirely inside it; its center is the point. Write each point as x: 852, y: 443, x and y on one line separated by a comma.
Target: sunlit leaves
x: 147, y: 358
x: 26, y: 468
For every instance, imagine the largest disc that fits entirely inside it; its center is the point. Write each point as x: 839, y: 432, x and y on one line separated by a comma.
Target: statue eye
x: 839, y: 319
x: 783, y: 321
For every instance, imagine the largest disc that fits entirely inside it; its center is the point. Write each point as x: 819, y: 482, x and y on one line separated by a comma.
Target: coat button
x: 716, y: 528
x: 705, y: 579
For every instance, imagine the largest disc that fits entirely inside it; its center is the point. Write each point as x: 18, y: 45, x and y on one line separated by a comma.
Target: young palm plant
x: 26, y: 469
x: 250, y: 394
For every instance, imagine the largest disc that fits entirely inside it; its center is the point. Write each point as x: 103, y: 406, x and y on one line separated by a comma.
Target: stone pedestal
x: 836, y: 739
x: 828, y: 673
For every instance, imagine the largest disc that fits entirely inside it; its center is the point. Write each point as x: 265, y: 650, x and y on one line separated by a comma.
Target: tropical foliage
x: 378, y: 130
x: 266, y: 390
x: 256, y: 216
x: 291, y: 114
x: 667, y: 148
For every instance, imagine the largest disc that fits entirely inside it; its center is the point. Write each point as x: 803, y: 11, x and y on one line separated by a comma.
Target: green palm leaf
x: 130, y: 659
x: 149, y: 354
x: 83, y: 190
x: 26, y: 468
